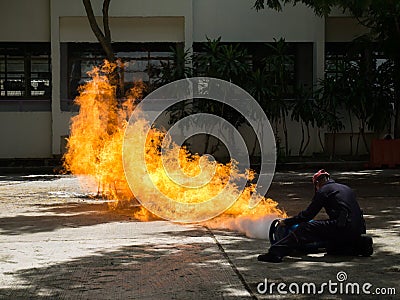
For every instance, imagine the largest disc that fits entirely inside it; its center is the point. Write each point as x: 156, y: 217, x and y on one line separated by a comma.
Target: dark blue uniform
x: 344, y: 225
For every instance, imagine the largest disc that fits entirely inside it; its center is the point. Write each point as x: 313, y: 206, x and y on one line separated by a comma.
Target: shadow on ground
x: 149, y: 271
x: 181, y: 270
x: 30, y: 178
x: 188, y: 264
x: 50, y: 217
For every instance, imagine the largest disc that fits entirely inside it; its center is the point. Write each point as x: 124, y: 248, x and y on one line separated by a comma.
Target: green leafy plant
x: 277, y: 67
x: 303, y: 111
x: 382, y: 17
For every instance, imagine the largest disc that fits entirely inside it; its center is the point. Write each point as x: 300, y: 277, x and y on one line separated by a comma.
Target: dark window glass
x: 141, y: 60
x: 25, y: 76
x: 337, y: 55
x: 258, y: 53
x: 335, y: 59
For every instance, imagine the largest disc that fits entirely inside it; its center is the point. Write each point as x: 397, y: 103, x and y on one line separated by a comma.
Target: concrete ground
x: 56, y: 243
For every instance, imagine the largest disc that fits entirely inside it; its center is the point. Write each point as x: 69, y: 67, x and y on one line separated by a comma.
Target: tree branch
x: 107, y: 33
x: 97, y: 31
x: 364, y: 23
x: 92, y: 20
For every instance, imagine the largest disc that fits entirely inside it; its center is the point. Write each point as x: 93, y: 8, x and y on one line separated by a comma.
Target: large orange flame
x: 95, y: 145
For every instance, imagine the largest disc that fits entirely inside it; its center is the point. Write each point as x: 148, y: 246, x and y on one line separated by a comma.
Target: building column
x: 55, y: 70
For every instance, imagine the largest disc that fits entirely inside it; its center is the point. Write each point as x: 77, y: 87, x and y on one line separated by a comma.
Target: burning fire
x: 95, y: 147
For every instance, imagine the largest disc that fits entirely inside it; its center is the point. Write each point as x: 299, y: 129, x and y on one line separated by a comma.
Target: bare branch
x: 97, y: 31
x: 107, y: 33
x: 364, y: 22
x: 92, y: 20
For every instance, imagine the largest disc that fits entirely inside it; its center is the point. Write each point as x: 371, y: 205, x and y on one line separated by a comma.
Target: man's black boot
x: 269, y: 257
x: 364, y: 245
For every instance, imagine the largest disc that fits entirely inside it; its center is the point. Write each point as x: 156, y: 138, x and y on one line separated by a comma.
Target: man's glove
x: 289, y: 221
x: 282, y: 222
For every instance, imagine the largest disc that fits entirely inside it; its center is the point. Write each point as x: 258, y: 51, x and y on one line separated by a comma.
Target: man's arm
x: 310, y: 212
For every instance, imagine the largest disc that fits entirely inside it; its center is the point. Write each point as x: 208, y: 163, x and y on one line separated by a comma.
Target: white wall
x: 148, y: 20
x: 153, y: 17
x: 125, y: 29
x: 139, y: 20
x: 25, y: 134
x: 343, y: 29
x: 25, y: 20
x: 236, y: 20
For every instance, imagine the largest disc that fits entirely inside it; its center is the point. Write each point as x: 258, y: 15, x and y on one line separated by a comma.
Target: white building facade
x: 46, y: 46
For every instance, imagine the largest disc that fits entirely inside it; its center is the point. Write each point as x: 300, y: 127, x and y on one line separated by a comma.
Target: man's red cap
x: 319, y: 174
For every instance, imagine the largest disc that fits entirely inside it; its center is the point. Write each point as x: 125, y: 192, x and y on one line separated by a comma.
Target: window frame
x: 82, y: 51
x: 28, y: 52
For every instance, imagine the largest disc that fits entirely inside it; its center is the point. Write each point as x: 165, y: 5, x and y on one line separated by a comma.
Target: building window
x: 25, y: 76
x: 335, y: 59
x: 339, y: 55
x: 142, y: 61
x: 299, y: 61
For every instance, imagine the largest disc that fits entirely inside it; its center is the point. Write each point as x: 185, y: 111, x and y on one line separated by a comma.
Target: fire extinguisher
x: 278, y: 231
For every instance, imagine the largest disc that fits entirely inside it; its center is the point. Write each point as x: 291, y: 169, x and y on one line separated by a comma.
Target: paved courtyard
x: 56, y: 243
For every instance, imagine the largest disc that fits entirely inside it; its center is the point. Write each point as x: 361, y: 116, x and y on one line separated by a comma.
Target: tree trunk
x: 116, y: 77
x: 320, y: 140
x: 253, y: 151
x: 362, y: 132
x: 333, y: 146
x: 103, y: 38
x: 308, y: 139
x: 107, y: 32
x: 206, y: 144
x: 285, y: 132
x: 302, y: 140
x: 351, y: 134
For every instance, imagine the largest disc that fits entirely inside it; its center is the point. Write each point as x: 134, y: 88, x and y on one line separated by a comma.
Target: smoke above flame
x: 95, y: 147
